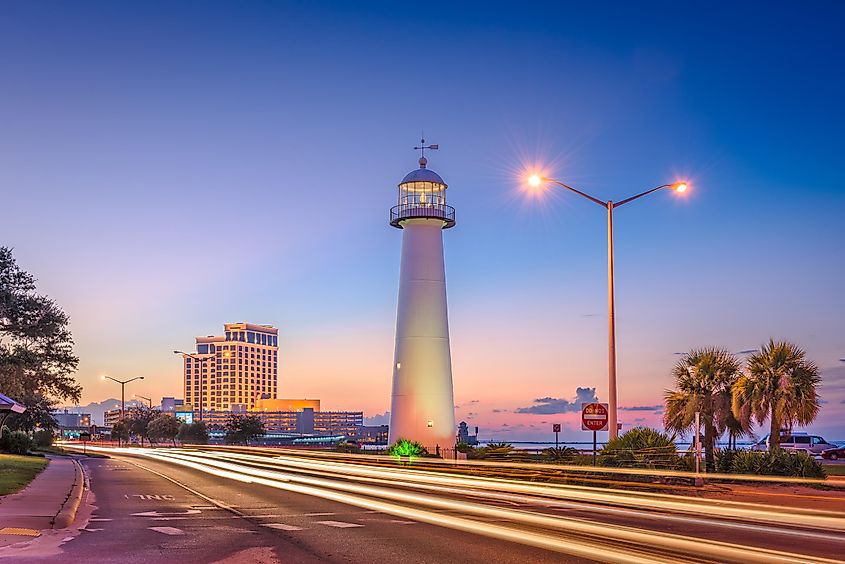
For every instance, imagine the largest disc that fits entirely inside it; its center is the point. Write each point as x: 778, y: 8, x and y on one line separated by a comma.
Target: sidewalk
x: 50, y: 501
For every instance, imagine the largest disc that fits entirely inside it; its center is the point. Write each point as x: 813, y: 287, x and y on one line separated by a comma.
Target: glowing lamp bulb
x: 534, y: 180
x: 680, y: 187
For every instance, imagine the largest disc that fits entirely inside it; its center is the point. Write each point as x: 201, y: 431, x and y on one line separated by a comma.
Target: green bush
x: 404, y: 447
x: 725, y: 460
x: 16, y: 442
x: 43, y: 438
x: 641, y: 447
x: 780, y: 463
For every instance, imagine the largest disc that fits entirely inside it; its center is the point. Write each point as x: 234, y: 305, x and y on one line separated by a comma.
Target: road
x: 218, y: 506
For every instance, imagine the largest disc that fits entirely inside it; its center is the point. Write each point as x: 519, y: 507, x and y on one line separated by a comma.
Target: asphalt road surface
x: 194, y: 506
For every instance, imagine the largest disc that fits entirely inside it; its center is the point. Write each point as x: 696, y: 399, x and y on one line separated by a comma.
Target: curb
x: 67, y: 513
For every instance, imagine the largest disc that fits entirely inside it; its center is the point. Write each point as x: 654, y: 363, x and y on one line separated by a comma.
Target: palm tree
x: 780, y: 386
x: 704, y: 378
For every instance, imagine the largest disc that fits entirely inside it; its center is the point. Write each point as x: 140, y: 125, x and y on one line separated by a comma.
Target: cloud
x: 500, y: 411
x: 641, y: 408
x: 378, y: 419
x: 550, y: 405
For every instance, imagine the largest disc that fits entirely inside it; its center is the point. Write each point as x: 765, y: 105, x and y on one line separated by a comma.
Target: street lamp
x: 122, y: 392
x: 536, y: 180
x: 144, y: 398
x: 202, y: 360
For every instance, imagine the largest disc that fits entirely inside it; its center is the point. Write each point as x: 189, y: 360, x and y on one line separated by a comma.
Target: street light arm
x: 579, y: 192
x: 646, y: 193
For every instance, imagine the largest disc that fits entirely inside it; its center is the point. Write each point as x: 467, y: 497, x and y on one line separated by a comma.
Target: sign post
x: 556, y: 429
x: 594, y: 418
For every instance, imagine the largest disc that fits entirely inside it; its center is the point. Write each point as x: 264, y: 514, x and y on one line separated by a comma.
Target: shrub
x: 43, y: 438
x: 16, y: 442
x: 779, y: 463
x: 641, y: 447
x: 464, y: 447
x: 348, y: 448
x: 564, y: 455
x: 725, y: 460
x: 404, y: 447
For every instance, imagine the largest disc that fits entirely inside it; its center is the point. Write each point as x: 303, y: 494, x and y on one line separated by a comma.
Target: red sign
x: 594, y: 417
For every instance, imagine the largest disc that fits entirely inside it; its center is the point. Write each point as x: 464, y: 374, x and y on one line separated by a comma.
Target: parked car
x: 811, y: 444
x: 834, y: 453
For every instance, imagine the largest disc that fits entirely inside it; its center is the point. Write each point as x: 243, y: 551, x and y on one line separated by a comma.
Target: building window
x: 202, y: 349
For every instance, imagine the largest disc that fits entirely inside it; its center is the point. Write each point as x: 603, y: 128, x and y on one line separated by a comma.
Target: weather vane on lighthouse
x: 422, y: 147
x: 422, y: 406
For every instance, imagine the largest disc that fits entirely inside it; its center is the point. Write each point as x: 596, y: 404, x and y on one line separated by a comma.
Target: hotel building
x: 231, y: 372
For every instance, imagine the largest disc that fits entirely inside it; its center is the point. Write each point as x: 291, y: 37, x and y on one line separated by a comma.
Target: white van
x: 811, y: 444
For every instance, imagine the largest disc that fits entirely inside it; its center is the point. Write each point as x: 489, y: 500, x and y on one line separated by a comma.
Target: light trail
x: 618, y: 498
x: 592, y: 536
x: 473, y: 491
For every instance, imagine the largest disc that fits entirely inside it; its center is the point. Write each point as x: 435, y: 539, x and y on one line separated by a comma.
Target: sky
x: 166, y: 168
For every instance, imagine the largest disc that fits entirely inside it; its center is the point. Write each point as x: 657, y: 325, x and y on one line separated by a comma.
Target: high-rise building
x: 232, y: 371
x: 422, y: 406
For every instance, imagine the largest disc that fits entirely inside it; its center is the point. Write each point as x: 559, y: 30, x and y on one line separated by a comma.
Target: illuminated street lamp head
x: 680, y: 187
x: 535, y: 180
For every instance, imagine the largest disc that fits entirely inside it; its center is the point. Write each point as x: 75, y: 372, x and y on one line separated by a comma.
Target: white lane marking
x: 317, y: 514
x: 92, y: 530
x: 401, y: 522
x: 166, y: 513
x: 282, y: 527
x: 339, y: 524
x: 167, y: 530
x: 99, y: 519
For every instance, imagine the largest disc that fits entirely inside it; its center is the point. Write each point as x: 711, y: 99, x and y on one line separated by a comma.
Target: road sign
x: 556, y: 427
x: 594, y: 417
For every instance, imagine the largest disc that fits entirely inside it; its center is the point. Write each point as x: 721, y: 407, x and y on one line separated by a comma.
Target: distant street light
x: 122, y: 392
x: 144, y: 398
x: 535, y: 181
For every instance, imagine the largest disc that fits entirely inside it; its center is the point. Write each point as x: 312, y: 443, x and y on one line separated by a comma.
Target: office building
x: 231, y: 372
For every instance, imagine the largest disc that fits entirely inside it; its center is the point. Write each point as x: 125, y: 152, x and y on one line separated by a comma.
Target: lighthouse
x: 422, y: 406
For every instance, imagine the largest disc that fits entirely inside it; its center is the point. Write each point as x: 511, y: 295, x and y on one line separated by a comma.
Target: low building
x: 70, y: 425
x: 112, y: 416
x: 170, y: 404
x: 374, y: 434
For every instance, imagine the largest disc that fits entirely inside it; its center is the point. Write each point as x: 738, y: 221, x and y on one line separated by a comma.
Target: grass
x: 834, y: 469
x: 17, y: 471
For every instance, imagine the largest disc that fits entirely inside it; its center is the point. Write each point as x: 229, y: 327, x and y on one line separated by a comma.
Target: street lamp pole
x: 123, y: 392
x: 202, y: 361
x: 609, y: 205
x: 145, y: 398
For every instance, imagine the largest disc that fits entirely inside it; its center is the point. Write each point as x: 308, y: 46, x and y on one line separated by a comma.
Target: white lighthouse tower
x: 422, y: 406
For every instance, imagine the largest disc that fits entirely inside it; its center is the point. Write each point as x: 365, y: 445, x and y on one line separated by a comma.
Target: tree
x: 139, y: 423
x: 244, y: 428
x: 164, y: 427
x: 120, y: 431
x: 781, y: 386
x: 196, y: 433
x: 36, y: 348
x: 704, y: 378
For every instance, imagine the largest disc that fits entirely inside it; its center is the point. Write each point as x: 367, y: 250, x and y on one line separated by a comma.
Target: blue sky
x: 169, y: 167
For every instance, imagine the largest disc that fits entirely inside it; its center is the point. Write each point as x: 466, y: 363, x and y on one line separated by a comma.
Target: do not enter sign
x: 594, y: 417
